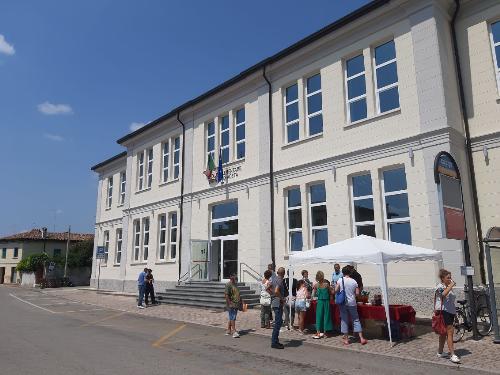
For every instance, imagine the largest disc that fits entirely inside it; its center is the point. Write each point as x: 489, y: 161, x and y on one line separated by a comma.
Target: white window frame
x: 109, y: 195
x: 150, y: 161
x: 14, y: 255
x: 137, y: 240
x: 495, y: 62
x: 356, y: 224
x: 238, y: 124
x: 311, y: 206
x: 320, y: 112
x: 294, y: 208
x: 375, y: 77
x: 140, y: 170
x: 123, y: 182
x: 172, y: 241
x: 385, y: 194
x: 357, y: 98
x: 178, y: 164
x: 165, y: 160
x: 162, y: 229
x: 118, y: 245
x: 105, y: 243
x: 145, y: 239
x: 286, y: 104
x: 221, y: 131
x: 208, y: 137
x: 222, y: 220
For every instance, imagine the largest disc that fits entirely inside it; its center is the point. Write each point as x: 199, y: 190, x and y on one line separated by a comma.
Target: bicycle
x: 463, y: 319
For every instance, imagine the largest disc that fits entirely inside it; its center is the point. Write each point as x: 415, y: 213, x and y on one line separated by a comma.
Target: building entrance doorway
x: 2, y: 274
x: 224, y: 241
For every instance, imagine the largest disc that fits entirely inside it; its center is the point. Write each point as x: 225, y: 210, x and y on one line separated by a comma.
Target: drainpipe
x: 468, y: 146
x: 271, y: 162
x: 181, y: 210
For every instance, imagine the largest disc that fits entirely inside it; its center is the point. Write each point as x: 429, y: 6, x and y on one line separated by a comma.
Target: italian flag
x: 210, y: 167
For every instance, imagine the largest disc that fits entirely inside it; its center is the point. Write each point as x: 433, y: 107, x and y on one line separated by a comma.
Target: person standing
x: 307, y: 282
x: 286, y: 306
x: 445, y: 301
x: 349, y: 309
x: 355, y: 275
x: 301, y: 303
x: 141, y: 286
x: 277, y: 306
x: 337, y: 274
x: 233, y: 299
x: 149, y: 287
x: 265, y: 300
x: 323, y: 316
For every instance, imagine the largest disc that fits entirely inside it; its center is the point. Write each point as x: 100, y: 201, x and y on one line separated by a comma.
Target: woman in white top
x: 349, y: 308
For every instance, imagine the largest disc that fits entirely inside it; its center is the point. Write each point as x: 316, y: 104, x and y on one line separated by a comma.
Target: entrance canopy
x: 365, y: 249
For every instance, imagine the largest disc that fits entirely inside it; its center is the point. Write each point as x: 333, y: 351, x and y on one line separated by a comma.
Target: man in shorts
x: 232, y: 294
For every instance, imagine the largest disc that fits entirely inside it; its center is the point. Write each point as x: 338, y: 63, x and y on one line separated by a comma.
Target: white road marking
x: 32, y: 304
x: 58, y: 303
x: 74, y: 311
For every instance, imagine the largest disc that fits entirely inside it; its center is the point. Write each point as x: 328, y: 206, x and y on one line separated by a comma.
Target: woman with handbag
x: 301, y: 303
x: 346, y: 291
x: 265, y: 300
x: 444, y: 314
x: 323, y: 316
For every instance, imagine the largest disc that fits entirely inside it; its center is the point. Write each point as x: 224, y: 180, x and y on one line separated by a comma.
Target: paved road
x: 42, y: 334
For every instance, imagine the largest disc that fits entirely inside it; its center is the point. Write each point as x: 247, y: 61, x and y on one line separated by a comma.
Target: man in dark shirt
x: 286, y: 307
x: 357, y: 277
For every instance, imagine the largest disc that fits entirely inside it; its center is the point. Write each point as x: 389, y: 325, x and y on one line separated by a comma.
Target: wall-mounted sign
x: 100, y: 253
x: 227, y: 174
x: 447, y: 176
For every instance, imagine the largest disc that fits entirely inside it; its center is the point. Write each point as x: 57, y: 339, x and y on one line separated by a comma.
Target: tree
x: 80, y: 254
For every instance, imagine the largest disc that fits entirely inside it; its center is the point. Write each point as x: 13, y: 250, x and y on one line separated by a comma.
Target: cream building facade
x: 335, y: 136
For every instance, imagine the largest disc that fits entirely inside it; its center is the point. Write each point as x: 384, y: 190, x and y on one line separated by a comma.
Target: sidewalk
x: 480, y: 355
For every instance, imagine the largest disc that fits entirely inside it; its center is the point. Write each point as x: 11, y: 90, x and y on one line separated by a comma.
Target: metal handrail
x: 183, y: 277
x: 256, y: 275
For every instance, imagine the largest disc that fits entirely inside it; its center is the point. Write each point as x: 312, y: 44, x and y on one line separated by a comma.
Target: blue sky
x: 76, y: 75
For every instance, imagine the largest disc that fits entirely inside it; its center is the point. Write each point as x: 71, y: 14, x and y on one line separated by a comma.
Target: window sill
x: 376, y: 117
x: 139, y: 264
x: 142, y: 191
x: 172, y: 261
x: 120, y: 205
x: 303, y: 140
x: 116, y: 265
x: 232, y: 163
x: 107, y: 209
x: 169, y: 182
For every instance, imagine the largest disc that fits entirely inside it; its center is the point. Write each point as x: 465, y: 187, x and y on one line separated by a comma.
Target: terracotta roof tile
x: 36, y: 234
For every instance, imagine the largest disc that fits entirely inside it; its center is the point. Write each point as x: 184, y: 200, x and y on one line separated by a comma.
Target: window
x: 140, y: 171
x: 162, y: 223
x: 386, y: 77
x: 224, y: 138
x: 495, y: 45
x: 106, y: 245
x: 150, y: 167
x: 314, y: 105
x: 294, y: 214
x: 57, y: 252
x: 177, y: 155
x: 145, y: 236
x: 109, y: 199
x: 356, y: 89
x: 118, y: 250
x: 362, y: 202
x: 137, y: 240
x: 317, y: 203
x: 240, y: 134
x: 211, y: 141
x: 16, y: 252
x: 173, y: 235
x: 292, y: 113
x: 225, y: 219
x: 397, y: 213
x: 123, y: 182
x: 4, y: 253
x: 165, y: 162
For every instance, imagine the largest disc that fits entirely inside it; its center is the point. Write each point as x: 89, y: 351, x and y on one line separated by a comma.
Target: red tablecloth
x: 399, y: 313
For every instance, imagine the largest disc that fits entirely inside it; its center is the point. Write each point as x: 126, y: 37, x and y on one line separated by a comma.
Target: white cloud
x: 5, y: 47
x: 54, y: 109
x: 136, y: 126
x: 54, y: 137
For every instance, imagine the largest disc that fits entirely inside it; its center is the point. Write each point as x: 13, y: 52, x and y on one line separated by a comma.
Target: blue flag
x: 220, y: 172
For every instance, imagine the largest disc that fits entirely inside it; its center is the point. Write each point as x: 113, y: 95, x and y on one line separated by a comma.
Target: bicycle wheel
x: 483, y: 321
x: 458, y: 327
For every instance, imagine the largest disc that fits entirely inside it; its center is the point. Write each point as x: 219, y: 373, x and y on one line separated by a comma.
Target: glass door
x: 229, y: 258
x: 200, y: 260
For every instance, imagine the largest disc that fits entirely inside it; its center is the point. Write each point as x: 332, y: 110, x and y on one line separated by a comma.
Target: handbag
x: 265, y: 298
x: 340, y: 297
x: 438, y: 325
x: 308, y: 303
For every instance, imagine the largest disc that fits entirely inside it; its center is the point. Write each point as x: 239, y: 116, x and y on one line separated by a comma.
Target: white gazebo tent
x: 364, y: 249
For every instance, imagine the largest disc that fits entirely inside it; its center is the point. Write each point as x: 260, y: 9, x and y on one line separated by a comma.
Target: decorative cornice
x: 491, y: 140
